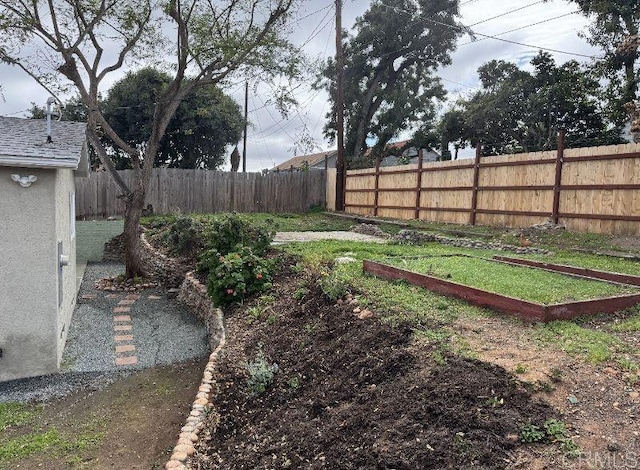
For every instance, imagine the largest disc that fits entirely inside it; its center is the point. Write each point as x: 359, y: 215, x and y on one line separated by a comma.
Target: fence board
x: 200, y: 191
x: 513, y: 190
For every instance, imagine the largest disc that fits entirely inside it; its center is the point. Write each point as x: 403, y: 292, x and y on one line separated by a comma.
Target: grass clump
x: 593, y: 346
x: 16, y: 414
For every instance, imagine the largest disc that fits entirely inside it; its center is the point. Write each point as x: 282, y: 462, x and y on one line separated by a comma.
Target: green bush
x: 233, y: 276
x: 185, y: 236
x: 226, y: 232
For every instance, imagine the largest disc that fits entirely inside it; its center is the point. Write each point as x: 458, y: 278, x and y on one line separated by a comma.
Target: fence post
x: 558, y: 180
x: 476, y: 180
x: 419, y: 183
x: 376, y: 188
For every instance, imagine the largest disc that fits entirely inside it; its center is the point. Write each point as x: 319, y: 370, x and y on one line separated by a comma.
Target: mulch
x: 353, y: 393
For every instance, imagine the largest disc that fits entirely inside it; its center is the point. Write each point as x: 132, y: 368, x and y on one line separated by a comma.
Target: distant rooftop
x: 23, y: 143
x: 310, y: 160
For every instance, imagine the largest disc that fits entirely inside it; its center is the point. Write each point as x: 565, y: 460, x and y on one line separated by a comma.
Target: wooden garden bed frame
x: 524, y: 309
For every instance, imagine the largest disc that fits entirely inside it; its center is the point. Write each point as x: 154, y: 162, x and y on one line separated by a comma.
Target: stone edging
x: 194, y: 295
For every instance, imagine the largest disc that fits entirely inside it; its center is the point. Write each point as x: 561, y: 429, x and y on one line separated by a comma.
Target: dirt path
x: 131, y: 424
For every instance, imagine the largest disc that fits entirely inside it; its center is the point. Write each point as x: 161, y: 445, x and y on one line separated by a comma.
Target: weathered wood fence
x: 595, y: 189
x: 201, y: 191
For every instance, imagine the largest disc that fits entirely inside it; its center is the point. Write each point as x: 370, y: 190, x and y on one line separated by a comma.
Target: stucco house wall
x: 28, y: 301
x: 64, y: 223
x: 37, y: 293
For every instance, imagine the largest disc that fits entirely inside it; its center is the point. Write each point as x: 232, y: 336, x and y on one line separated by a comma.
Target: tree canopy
x: 80, y: 43
x: 521, y: 111
x: 205, y: 122
x: 390, y: 65
x: 615, y: 30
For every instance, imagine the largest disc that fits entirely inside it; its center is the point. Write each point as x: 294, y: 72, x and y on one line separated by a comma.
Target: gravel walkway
x: 112, y: 335
x: 284, y: 237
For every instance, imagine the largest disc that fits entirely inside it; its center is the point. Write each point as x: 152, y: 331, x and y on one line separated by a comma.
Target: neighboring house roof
x: 299, y: 162
x: 23, y: 143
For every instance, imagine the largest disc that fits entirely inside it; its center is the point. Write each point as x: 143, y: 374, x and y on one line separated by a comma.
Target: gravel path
x: 161, y: 332
x: 284, y: 237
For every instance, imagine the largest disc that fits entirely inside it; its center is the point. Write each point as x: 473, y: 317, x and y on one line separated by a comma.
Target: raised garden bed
x: 606, y: 293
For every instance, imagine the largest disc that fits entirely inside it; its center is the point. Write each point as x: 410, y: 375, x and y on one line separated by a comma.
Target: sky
x: 272, y: 138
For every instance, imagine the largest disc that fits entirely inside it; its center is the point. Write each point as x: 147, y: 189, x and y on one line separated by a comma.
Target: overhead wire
x: 467, y: 30
x: 506, y: 13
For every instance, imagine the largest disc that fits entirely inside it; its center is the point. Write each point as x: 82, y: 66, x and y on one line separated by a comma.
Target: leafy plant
x: 234, y: 276
x: 261, y: 374
x: 185, y: 236
x: 335, y: 284
x: 227, y: 232
x: 531, y: 433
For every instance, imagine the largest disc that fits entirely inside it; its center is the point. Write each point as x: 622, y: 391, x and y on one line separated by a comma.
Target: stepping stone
x: 126, y: 361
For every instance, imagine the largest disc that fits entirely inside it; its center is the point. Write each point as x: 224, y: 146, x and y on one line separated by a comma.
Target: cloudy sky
x: 527, y: 24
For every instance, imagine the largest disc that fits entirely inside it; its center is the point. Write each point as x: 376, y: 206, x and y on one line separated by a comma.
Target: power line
x: 507, y: 13
x: 522, y: 27
x: 466, y: 29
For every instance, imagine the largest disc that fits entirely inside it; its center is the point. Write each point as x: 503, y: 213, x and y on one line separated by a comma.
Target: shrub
x: 227, y: 232
x: 235, y: 275
x: 185, y: 236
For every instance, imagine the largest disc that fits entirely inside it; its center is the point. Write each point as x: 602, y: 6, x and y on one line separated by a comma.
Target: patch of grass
x: 628, y: 324
x: 50, y: 441
x: 515, y: 281
x: 591, y: 345
x: 17, y: 414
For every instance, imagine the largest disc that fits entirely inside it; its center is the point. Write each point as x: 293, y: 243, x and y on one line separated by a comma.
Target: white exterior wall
x: 33, y: 328
x: 64, y: 187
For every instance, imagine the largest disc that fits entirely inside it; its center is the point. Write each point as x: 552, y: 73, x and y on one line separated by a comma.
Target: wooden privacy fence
x: 203, y: 191
x: 595, y: 189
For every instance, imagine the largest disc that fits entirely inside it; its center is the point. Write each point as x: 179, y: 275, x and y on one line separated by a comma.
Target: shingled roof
x: 23, y: 143
x: 299, y: 161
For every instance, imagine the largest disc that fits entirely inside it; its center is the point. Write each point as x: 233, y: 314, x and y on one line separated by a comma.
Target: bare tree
x: 79, y: 43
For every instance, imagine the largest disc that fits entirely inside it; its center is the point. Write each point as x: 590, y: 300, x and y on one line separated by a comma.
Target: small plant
x: 310, y: 328
x: 495, y: 402
x: 300, y: 293
x: 545, y: 387
x: 556, y: 375
x: 293, y: 382
x: 521, y: 369
x: 555, y: 429
x: 335, y: 285
x: 261, y: 374
x: 531, y: 433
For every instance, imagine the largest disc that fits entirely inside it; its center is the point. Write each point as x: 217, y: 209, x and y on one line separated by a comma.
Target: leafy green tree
x: 520, y: 111
x: 80, y: 43
x: 615, y: 29
x: 390, y: 65
x: 72, y: 110
x: 205, y: 122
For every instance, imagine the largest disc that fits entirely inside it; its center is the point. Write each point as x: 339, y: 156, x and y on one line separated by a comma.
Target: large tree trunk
x: 132, y: 213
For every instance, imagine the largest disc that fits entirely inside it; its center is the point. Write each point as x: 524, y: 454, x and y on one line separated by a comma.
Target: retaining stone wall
x: 193, y: 294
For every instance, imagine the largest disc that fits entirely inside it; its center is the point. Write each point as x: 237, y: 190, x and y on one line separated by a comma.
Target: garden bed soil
x: 352, y: 392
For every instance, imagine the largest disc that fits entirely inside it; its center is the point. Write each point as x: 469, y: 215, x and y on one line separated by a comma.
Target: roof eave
x: 38, y: 162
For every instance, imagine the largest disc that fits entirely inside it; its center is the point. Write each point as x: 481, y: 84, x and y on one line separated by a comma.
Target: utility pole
x: 244, y: 140
x: 340, y: 159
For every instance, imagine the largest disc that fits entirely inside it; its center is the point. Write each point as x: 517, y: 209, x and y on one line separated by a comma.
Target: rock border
x: 194, y: 295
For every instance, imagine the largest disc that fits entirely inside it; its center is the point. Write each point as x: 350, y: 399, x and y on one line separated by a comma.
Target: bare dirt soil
x: 138, y: 418
x: 356, y: 393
